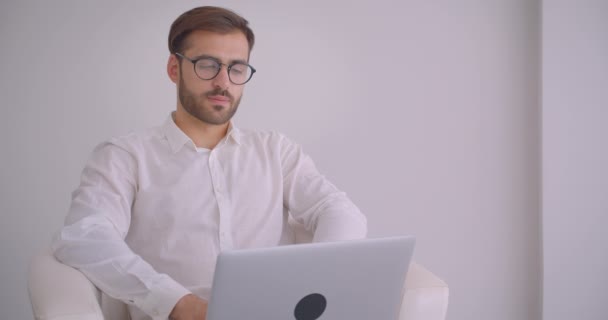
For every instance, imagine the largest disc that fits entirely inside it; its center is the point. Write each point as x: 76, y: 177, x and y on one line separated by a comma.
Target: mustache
x: 219, y: 92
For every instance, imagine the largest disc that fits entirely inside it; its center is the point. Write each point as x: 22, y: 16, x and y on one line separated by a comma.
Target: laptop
x: 354, y: 280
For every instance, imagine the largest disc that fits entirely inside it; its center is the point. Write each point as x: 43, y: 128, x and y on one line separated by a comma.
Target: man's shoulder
x: 135, y: 140
x: 269, y: 142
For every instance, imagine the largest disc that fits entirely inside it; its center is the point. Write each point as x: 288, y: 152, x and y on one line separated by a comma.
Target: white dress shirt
x: 152, y: 211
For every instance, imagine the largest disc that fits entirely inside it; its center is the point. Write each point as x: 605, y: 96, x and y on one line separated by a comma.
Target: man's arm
x: 315, y: 202
x: 92, y: 239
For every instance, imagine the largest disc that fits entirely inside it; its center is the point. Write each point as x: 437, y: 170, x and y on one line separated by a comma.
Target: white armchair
x: 60, y: 292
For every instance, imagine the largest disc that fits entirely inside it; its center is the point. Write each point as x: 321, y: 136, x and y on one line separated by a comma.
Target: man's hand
x: 189, y: 307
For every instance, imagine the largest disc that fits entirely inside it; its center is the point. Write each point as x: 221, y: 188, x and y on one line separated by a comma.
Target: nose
x: 222, y: 80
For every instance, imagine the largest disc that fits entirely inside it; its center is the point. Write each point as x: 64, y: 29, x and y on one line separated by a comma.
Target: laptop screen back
x: 355, y: 280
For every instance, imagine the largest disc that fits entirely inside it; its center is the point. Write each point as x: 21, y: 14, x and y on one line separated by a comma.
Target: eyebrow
x: 206, y: 56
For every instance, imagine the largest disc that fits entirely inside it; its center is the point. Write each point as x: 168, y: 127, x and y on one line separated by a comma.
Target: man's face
x: 212, y: 101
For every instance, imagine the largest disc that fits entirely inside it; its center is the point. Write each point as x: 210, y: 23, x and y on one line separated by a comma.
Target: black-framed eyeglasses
x: 208, y: 68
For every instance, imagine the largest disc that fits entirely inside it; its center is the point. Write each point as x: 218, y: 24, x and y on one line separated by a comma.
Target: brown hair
x: 207, y: 18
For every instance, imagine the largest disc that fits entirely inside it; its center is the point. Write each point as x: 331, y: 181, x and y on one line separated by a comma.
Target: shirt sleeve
x: 314, y: 201
x: 92, y: 239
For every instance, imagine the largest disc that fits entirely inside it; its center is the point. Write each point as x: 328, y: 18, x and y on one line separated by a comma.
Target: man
x: 155, y: 208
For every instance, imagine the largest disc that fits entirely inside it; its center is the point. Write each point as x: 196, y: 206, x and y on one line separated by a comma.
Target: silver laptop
x: 349, y: 280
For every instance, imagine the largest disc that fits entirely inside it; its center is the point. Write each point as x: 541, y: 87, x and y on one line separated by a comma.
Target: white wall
x: 575, y: 155
x: 425, y: 112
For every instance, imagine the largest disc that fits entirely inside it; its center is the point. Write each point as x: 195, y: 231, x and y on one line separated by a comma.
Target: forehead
x: 226, y: 47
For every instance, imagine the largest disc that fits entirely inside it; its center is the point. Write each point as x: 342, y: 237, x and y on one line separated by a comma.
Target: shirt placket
x: 223, y: 203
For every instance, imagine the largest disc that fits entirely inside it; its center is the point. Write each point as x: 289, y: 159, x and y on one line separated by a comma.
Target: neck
x: 204, y: 135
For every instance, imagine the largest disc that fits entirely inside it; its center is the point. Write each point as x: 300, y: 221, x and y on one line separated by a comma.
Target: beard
x: 198, y: 106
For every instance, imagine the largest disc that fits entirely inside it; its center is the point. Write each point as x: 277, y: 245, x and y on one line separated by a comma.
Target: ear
x: 173, y: 68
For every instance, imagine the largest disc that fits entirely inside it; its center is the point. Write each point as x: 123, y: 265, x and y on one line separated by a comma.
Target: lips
x: 219, y: 99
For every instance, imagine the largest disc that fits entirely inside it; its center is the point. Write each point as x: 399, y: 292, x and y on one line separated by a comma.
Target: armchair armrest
x: 426, y: 295
x: 60, y: 292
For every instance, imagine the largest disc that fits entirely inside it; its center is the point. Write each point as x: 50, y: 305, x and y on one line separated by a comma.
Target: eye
x: 207, y: 64
x: 239, y: 68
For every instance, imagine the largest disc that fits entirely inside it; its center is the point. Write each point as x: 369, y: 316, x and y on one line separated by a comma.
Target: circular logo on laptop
x: 311, y: 307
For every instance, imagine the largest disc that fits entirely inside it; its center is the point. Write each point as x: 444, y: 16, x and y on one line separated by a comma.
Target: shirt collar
x: 234, y: 133
x: 177, y: 138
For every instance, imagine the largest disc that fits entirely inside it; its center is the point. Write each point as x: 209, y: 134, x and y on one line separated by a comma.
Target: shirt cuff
x: 162, y: 298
